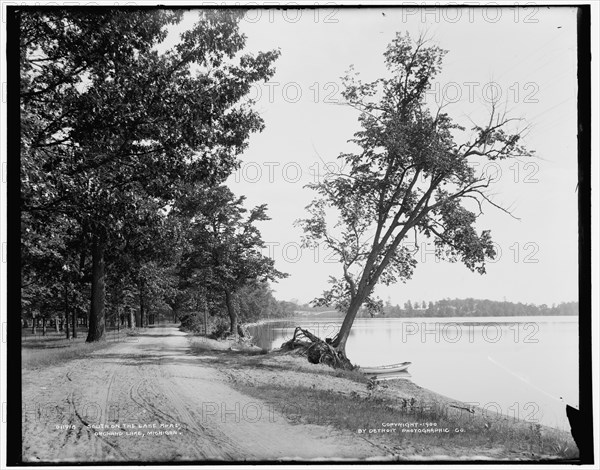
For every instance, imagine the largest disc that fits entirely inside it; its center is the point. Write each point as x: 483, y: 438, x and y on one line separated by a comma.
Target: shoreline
x: 461, y: 319
x: 264, y: 321
x: 408, y: 420
x: 156, y: 376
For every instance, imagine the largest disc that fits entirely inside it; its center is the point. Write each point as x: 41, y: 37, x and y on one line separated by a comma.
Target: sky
x: 525, y: 56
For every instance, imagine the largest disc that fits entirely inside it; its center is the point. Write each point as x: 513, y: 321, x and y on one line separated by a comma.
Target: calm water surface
x: 520, y: 366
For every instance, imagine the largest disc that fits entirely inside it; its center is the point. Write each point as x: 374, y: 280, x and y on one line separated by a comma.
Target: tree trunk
x: 205, y: 319
x: 339, y: 342
x: 131, y: 318
x: 74, y: 320
x: 67, y: 326
x: 232, y: 313
x: 33, y: 326
x: 143, y: 322
x: 97, y: 311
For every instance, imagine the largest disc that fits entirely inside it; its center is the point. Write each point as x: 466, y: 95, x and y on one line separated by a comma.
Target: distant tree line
x: 476, y: 308
x: 447, y: 308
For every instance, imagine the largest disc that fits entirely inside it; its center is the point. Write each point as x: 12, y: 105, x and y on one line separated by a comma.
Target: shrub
x: 192, y: 322
x: 220, y: 329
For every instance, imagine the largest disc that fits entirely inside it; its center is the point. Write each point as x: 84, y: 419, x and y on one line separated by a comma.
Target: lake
x: 520, y: 366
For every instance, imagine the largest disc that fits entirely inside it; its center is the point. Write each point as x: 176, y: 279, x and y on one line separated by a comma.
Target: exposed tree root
x: 316, y: 350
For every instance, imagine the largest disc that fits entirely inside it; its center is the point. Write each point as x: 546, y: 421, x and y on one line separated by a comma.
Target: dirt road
x: 150, y: 399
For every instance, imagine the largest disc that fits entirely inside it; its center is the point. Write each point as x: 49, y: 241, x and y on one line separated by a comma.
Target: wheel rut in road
x: 168, y: 406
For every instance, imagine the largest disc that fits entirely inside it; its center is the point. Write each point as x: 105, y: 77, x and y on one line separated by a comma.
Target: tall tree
x: 226, y: 247
x: 112, y: 127
x: 409, y: 176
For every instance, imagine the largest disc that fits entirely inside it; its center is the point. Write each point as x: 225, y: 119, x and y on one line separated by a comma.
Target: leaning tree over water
x: 413, y: 175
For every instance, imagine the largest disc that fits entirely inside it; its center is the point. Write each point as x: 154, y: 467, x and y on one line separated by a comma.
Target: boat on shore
x: 389, y: 369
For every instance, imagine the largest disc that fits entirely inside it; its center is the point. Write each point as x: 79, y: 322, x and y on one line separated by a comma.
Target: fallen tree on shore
x: 316, y: 350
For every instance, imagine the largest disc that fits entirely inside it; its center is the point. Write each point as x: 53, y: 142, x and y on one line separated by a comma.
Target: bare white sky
x: 527, y: 55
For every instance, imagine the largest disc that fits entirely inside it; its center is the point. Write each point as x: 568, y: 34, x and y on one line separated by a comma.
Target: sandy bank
x: 401, y: 419
x: 150, y: 399
x: 165, y: 396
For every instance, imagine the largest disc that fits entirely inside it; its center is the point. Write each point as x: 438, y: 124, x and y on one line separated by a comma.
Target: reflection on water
x: 521, y: 366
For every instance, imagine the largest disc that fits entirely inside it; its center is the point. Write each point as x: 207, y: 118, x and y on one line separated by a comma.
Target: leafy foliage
x: 113, y: 129
x: 224, y: 246
x: 479, y: 308
x: 409, y: 177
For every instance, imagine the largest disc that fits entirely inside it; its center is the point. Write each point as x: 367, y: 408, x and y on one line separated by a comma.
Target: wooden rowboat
x: 382, y: 370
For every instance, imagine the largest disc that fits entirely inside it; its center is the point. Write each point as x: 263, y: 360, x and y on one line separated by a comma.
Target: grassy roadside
x: 427, y: 429
x: 45, y: 351
x: 399, y: 417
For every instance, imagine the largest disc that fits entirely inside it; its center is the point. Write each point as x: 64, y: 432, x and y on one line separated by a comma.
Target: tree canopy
x: 113, y: 127
x: 409, y: 177
x: 224, y: 248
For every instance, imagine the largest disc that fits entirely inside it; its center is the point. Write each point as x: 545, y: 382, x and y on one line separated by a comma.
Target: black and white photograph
x: 263, y: 234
